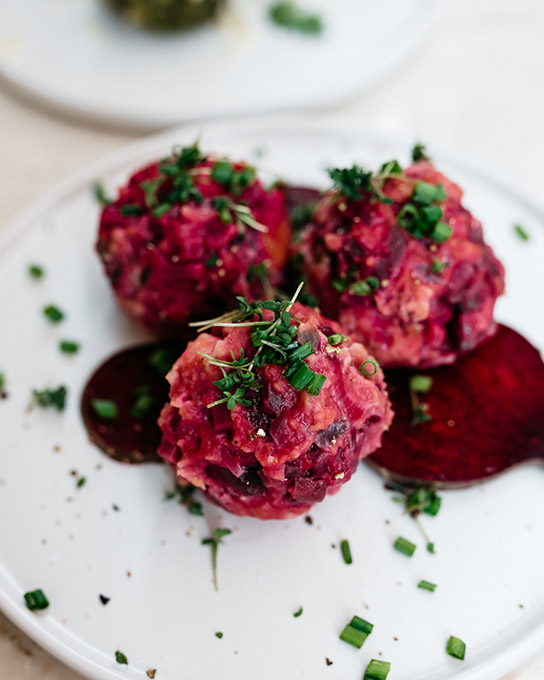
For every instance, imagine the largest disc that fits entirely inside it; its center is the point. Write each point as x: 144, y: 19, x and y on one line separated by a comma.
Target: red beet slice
x: 487, y: 414
x: 130, y: 439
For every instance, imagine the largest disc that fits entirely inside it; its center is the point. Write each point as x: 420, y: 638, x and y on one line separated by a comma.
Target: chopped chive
x: 377, y: 670
x: 81, y: 482
x: 222, y: 171
x: 423, y: 500
x: 430, y: 548
x: 211, y: 261
x: 161, y: 209
x: 404, y: 546
x: 298, y: 612
x: 427, y: 585
x: 106, y: 409
x: 35, y: 271
x: 54, y: 314
x: 346, y: 551
x: 301, y: 352
x: 298, y: 375
x: 69, y: 346
x: 286, y: 14
x: 520, y: 231
x: 441, y: 232
x: 367, y: 286
x: 130, y: 209
x: 421, y: 383
x: 36, y: 599
x: 315, y: 384
x: 336, y: 339
x: 356, y: 632
x: 219, y: 634
x: 2, y: 381
x: 419, y: 152
x: 456, y: 648
x: 143, y: 403
x: 163, y: 359
x: 426, y: 193
x: 368, y: 372
x: 100, y: 194
x: 437, y: 266
x: 121, y: 658
x: 55, y: 398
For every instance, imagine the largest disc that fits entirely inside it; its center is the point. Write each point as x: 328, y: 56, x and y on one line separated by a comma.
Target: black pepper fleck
x: 104, y: 599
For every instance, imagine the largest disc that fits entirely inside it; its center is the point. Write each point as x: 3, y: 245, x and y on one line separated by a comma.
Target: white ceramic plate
x: 74, y: 545
x: 77, y: 57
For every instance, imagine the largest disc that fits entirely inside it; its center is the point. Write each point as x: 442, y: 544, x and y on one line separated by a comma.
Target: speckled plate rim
x: 530, y: 638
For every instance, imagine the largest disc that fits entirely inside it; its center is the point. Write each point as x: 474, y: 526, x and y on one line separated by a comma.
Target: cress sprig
x: 421, y: 216
x: 178, y: 174
x: 276, y: 343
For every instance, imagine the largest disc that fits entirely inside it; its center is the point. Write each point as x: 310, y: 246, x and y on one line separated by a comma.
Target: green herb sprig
x: 185, y: 495
x: 276, y: 343
x: 215, y: 541
x: 357, y: 183
x: 55, y: 398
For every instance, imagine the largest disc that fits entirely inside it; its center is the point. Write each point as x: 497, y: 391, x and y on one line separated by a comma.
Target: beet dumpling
x: 187, y: 235
x: 288, y: 426
x: 399, y: 261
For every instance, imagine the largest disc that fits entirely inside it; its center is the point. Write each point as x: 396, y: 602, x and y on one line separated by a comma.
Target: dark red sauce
x: 487, y: 414
x: 126, y: 438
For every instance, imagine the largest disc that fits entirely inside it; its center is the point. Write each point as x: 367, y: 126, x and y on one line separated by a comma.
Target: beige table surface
x: 476, y: 85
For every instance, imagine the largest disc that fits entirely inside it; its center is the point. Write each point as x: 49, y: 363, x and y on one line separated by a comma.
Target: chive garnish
x: 377, y: 670
x: 367, y: 286
x: 423, y: 500
x: 161, y: 209
x: 219, y: 634
x: 131, y: 209
x: 427, y: 585
x: 421, y: 383
x: 143, y: 403
x: 163, y: 359
x: 36, y: 599
x: 369, y: 368
x: 336, y: 339
x: 69, y: 346
x: 211, y: 261
x: 456, y: 648
x: 346, y: 551
x: 121, y: 658
x: 419, y: 152
x: 105, y: 409
x: 81, y: 482
x: 55, y: 398
x: 2, y: 381
x: 100, y: 194
x: 520, y: 231
x: 404, y: 546
x: 356, y: 183
x: 298, y: 612
x: 53, y: 313
x: 215, y: 540
x: 437, y: 266
x: 356, y: 632
x: 276, y: 343
x: 287, y: 15
x: 36, y: 271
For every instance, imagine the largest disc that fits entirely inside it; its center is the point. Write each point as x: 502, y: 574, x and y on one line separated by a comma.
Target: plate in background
x: 146, y: 555
x: 77, y: 57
